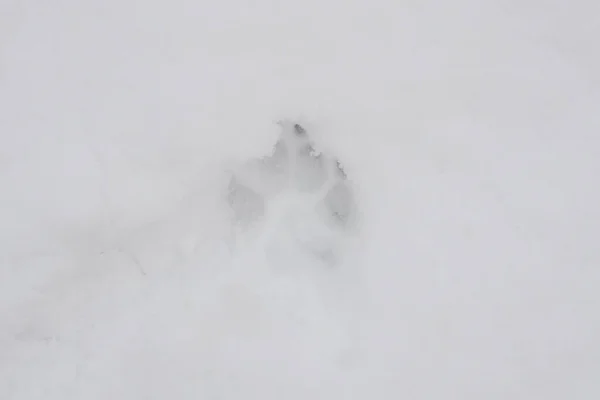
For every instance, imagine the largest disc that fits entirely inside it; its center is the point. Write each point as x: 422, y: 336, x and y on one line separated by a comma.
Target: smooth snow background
x: 470, y: 128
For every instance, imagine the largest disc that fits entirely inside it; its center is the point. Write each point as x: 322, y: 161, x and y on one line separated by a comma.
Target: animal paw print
x: 293, y: 168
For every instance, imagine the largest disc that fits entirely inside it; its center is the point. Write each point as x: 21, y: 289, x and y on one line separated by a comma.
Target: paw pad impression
x: 323, y: 196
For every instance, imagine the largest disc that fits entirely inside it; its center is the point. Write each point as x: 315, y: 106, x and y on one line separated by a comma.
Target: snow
x: 469, y: 130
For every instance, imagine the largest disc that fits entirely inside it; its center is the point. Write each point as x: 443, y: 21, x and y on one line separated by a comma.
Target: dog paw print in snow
x: 295, y: 198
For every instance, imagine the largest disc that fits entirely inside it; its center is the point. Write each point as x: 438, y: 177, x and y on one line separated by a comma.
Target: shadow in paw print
x: 246, y: 204
x: 294, y: 167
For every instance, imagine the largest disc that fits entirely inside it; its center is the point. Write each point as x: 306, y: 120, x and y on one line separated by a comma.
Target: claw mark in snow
x: 294, y: 195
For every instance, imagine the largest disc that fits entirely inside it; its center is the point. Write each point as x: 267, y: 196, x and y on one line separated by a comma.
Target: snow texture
x: 166, y: 232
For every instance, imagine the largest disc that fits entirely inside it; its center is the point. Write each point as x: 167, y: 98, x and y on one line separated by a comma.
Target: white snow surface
x: 470, y: 130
